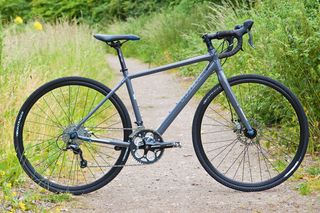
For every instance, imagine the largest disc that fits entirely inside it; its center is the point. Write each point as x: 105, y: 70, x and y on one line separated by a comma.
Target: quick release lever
x: 250, y: 41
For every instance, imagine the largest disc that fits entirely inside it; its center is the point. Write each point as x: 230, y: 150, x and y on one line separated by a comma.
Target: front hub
x: 251, y: 134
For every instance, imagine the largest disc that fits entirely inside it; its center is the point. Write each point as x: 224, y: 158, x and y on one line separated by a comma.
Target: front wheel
x: 240, y: 161
x: 42, y: 139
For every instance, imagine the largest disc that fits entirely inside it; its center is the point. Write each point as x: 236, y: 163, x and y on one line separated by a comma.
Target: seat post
x: 124, y: 70
x: 117, y: 46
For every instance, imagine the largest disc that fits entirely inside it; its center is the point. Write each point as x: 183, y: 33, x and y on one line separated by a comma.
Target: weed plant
x: 286, y: 35
x: 30, y: 59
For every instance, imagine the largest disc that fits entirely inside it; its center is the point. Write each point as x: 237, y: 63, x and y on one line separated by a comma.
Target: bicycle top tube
x: 127, y: 79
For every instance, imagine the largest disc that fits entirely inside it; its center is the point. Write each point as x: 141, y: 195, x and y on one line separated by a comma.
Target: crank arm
x: 105, y: 141
x: 166, y: 145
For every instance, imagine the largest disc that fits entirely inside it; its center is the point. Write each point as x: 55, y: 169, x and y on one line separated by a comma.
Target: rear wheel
x: 238, y: 160
x: 42, y: 139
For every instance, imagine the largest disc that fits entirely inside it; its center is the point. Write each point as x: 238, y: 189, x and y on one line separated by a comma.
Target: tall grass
x: 1, y: 44
x: 31, y: 58
x: 286, y: 35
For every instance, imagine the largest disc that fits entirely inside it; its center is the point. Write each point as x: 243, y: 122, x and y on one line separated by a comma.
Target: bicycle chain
x: 134, y: 130
x: 117, y: 166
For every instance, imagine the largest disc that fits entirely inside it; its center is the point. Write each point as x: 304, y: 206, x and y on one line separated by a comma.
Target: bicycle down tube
x: 213, y: 65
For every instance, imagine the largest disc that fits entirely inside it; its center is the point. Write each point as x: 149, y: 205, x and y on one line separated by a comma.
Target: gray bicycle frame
x: 213, y: 66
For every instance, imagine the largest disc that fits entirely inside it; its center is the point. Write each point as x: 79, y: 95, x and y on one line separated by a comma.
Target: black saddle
x: 111, y: 38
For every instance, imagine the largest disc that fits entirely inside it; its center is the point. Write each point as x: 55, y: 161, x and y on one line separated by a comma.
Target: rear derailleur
x: 77, y: 151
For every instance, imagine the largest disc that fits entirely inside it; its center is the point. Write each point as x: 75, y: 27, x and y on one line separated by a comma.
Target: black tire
x: 267, y: 160
x: 40, y: 142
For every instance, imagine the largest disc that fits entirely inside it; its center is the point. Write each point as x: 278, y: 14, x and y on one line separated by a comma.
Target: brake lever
x: 250, y: 41
x: 230, y: 44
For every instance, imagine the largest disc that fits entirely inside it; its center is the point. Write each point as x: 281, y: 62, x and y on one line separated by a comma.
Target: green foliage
x: 304, y: 189
x: 286, y: 35
x: 314, y: 171
x: 89, y: 11
x: 310, y: 176
x: 31, y: 201
x: 12, y: 8
x: 1, y: 44
x: 30, y: 59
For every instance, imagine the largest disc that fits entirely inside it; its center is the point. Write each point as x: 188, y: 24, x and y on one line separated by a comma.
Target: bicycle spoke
x: 41, y: 142
x: 53, y: 113
x: 65, y: 102
x: 259, y: 166
x: 226, y: 155
x: 108, y: 119
x: 59, y: 104
x: 233, y: 162
x: 218, y: 141
x: 244, y: 159
x: 94, y: 99
x: 98, y: 113
x: 54, y: 166
x: 213, y: 132
x: 277, y: 149
x: 69, y: 105
x: 57, y: 123
x: 62, y: 165
x: 47, y: 153
x: 93, y: 158
x: 216, y: 121
x: 221, y: 116
x: 85, y: 105
x: 71, y: 169
x: 75, y: 102
x: 37, y: 133
x: 226, y: 146
x: 249, y: 164
x: 265, y: 159
x: 40, y: 123
x: 100, y: 155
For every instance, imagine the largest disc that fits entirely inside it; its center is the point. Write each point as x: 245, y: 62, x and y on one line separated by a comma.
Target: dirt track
x: 178, y: 183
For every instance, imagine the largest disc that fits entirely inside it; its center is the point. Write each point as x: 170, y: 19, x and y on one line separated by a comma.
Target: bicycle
x: 74, y: 134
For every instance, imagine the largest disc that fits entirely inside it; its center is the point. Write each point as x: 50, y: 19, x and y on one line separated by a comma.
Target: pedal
x: 177, y: 145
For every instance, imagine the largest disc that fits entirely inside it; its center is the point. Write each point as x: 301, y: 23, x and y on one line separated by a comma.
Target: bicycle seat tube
x: 132, y: 96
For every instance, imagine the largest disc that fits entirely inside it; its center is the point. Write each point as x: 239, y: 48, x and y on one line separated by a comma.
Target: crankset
x: 147, y: 146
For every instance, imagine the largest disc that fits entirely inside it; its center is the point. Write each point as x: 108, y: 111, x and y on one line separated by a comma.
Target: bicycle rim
x: 41, y: 141
x: 264, y: 161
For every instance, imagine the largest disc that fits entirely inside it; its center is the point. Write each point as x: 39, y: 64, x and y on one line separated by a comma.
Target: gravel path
x: 178, y: 183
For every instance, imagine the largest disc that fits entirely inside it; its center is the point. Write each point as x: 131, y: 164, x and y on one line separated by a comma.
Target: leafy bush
x: 12, y: 8
x: 286, y: 35
x: 90, y: 11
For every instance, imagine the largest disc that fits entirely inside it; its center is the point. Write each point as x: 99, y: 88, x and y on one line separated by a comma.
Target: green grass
x: 309, y: 177
x: 286, y: 35
x: 30, y: 59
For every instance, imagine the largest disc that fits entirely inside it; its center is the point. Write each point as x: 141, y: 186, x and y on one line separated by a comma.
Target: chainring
x: 141, y: 146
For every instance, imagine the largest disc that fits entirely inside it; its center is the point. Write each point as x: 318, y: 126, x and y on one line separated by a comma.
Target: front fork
x: 232, y: 98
